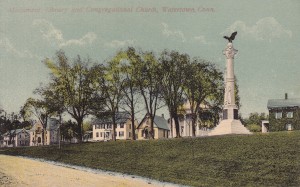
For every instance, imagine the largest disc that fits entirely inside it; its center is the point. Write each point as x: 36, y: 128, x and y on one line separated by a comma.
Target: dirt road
x: 17, y: 171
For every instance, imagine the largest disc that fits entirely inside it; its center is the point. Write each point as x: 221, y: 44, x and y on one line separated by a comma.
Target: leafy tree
x: 68, y: 130
x: 203, y: 85
x: 173, y: 67
x: 147, y: 77
x: 111, y: 86
x: 75, y: 82
x: 131, y: 63
x: 236, y: 93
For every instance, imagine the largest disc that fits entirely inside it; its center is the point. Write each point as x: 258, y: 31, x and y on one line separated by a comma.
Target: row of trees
x: 131, y: 79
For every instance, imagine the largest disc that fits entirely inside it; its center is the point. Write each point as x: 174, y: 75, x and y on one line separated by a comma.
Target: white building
x: 185, y: 122
x: 16, y: 138
x: 103, y: 128
x: 50, y: 133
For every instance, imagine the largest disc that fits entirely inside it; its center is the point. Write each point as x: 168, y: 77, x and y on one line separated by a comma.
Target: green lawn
x: 258, y: 160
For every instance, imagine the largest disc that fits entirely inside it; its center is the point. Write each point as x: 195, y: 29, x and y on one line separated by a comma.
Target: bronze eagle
x: 231, y: 38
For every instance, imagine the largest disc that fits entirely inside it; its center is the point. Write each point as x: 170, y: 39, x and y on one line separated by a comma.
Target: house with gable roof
x: 284, y: 114
x: 160, y: 127
x: 103, y: 127
x: 16, y: 138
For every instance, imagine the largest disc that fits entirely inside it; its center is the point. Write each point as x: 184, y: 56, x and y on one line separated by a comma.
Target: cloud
x: 86, y: 39
x: 267, y: 28
x: 52, y: 34
x: 6, y: 44
x: 201, y: 39
x: 172, y: 33
x: 118, y: 43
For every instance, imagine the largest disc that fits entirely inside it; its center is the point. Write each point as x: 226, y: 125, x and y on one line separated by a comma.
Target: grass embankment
x: 259, y: 160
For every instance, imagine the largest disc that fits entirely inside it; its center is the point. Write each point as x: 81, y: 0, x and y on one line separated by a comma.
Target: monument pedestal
x: 230, y: 123
x: 229, y: 126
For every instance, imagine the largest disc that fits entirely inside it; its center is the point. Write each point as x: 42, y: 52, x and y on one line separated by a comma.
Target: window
x: 278, y: 115
x: 121, y: 125
x: 101, y: 134
x: 20, y: 136
x: 97, y: 134
x: 129, y: 126
x: 289, y: 115
x: 121, y: 134
x: 39, y: 140
x: 129, y: 134
x: 289, y: 127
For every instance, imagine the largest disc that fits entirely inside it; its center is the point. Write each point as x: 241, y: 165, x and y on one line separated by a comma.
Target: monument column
x: 230, y: 109
x: 230, y: 123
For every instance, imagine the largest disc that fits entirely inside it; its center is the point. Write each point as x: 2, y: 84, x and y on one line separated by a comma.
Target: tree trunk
x: 175, y: 116
x: 132, y: 122
x: 193, y: 125
x: 114, y: 127
x: 151, y: 126
x: 79, y: 123
x: 171, y: 124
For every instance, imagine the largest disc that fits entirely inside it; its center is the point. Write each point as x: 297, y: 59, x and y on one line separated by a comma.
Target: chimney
x: 163, y: 116
x: 286, y: 96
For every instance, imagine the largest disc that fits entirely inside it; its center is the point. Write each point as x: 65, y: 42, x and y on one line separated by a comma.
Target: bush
x: 254, y: 128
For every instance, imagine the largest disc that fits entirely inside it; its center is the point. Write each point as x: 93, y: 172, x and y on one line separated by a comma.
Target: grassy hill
x: 258, y: 160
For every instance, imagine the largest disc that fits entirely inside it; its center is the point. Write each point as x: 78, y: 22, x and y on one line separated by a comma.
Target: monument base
x: 229, y: 126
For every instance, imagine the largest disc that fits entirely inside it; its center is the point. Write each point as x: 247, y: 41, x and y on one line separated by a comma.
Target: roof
x: 16, y: 131
x: 279, y: 103
x: 121, y: 117
x: 160, y: 122
x: 52, y: 124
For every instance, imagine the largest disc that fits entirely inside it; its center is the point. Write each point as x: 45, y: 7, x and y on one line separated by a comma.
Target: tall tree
x: 131, y: 61
x: 75, y: 81
x: 203, y: 84
x: 111, y: 86
x: 173, y: 67
x: 147, y: 77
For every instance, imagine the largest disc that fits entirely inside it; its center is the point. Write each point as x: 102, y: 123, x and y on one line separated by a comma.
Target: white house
x: 185, y: 122
x: 103, y: 128
x: 16, y: 138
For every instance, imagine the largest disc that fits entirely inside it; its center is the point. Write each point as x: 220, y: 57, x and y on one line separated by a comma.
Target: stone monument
x: 230, y: 123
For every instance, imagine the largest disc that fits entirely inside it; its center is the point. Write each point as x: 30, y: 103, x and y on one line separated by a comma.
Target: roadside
x: 16, y: 171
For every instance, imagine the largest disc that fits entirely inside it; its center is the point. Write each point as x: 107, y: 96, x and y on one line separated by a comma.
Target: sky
x: 268, y: 40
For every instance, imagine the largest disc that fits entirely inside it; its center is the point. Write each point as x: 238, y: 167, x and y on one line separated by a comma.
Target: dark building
x: 284, y: 114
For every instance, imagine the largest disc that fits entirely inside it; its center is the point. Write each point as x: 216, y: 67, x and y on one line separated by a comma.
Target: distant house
x: 16, y: 138
x: 103, y: 128
x: 50, y: 133
x: 185, y: 122
x: 284, y: 114
x: 160, y: 127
